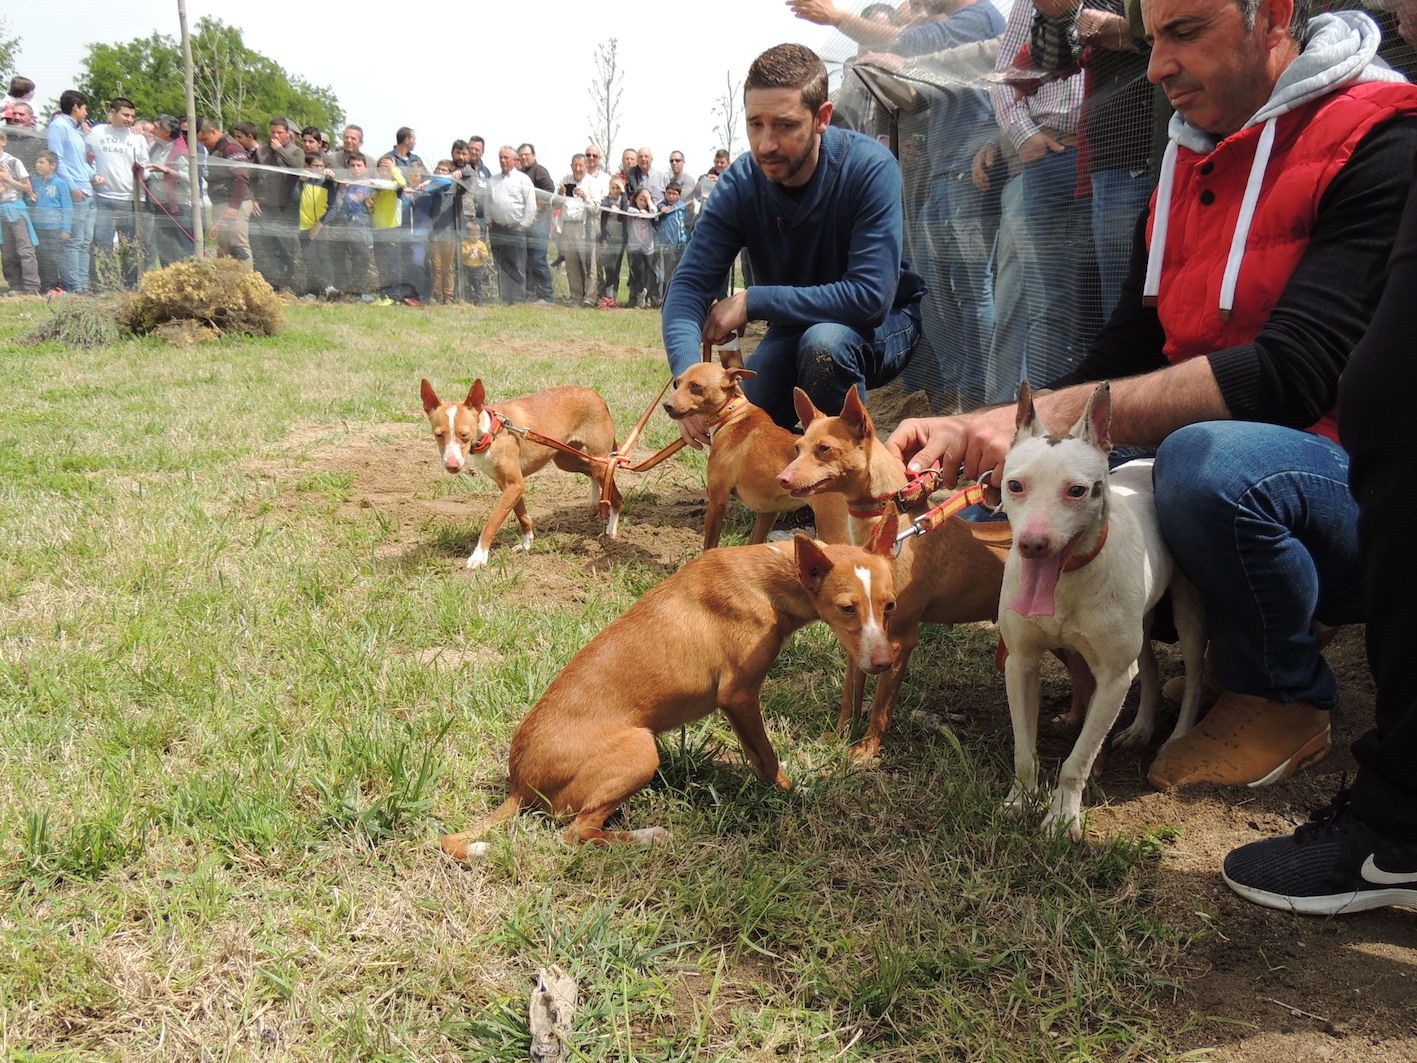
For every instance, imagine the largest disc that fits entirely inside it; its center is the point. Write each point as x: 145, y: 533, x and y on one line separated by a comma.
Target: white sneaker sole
x: 1336, y: 904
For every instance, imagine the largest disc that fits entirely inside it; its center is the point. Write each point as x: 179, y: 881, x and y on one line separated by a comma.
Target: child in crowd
x: 476, y: 259
x: 52, y: 212
x: 612, y: 241
x: 317, y: 193
x: 671, y: 234
x: 639, y: 243
x: 346, y: 232
x: 390, y: 245
x: 17, y: 235
x: 435, y: 201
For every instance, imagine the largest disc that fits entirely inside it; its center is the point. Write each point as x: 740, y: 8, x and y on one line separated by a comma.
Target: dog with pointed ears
x: 1087, y: 567
x: 704, y: 639
x: 474, y: 437
x: 746, y: 453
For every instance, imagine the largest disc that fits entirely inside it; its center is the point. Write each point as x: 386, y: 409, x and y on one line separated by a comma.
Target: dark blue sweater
x: 834, y: 255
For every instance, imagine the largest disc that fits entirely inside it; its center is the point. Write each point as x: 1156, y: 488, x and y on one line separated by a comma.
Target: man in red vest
x: 1254, y: 274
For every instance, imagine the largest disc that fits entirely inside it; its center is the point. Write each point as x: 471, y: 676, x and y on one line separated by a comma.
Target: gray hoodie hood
x: 1340, y: 49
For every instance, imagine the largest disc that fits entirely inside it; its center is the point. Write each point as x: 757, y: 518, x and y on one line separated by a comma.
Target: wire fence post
x: 189, y: 76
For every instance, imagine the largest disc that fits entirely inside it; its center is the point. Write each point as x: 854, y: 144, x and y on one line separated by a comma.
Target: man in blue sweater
x: 819, y: 211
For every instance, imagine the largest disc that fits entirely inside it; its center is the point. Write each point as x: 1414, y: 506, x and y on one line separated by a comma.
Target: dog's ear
x: 806, y: 412
x: 736, y: 374
x: 882, y: 539
x: 730, y: 359
x: 813, y: 565
x: 1095, y: 424
x: 1026, y: 422
x: 855, y: 414
x: 430, y: 397
x: 476, y: 395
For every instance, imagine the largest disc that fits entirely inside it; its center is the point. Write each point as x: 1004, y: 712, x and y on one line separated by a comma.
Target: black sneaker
x: 1332, y: 865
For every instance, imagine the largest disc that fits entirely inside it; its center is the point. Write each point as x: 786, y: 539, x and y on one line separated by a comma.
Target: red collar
x: 1072, y: 564
x: 495, y: 421
x: 878, y: 506
x: 724, y: 411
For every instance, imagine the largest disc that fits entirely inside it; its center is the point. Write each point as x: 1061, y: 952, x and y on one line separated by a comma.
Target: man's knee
x: 829, y: 358
x: 1192, y: 476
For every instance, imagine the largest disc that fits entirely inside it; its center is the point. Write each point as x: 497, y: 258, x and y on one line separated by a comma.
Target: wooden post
x: 198, y: 229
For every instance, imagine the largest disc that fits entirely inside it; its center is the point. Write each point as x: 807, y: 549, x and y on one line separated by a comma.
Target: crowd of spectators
x: 1029, y: 139
x: 85, y: 204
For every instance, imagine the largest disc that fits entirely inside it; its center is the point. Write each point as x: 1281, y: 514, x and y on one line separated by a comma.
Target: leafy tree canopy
x: 232, y: 82
x: 9, y: 48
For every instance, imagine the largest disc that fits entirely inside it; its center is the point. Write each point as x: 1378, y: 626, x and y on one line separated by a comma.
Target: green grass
x: 231, y: 730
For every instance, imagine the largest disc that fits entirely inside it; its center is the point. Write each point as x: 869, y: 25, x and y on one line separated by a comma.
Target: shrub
x: 78, y: 322
x: 216, y: 293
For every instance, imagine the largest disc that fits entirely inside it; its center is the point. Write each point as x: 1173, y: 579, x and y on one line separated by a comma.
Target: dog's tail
x: 465, y: 845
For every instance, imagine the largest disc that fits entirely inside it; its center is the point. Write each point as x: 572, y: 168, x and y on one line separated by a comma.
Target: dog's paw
x: 1016, y: 804
x: 865, y: 752
x: 478, y: 559
x: 782, y: 782
x: 650, y: 836
x: 525, y: 545
x: 1063, y: 815
x: 1137, y: 736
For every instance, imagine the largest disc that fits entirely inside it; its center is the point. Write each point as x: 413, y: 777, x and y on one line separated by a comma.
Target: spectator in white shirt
x: 511, y: 211
x: 116, y: 148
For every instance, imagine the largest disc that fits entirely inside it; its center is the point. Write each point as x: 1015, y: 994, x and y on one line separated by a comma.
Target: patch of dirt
x: 1269, y: 986
x: 1272, y: 986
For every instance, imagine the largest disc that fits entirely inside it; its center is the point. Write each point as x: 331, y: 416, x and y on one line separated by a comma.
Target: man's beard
x: 794, y: 166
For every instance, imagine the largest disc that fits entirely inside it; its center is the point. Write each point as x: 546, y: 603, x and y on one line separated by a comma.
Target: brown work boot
x: 1244, y: 740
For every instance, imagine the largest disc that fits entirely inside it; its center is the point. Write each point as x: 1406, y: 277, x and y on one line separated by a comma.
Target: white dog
x: 1086, y: 569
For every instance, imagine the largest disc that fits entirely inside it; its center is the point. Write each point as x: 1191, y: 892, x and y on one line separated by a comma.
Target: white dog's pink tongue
x: 1037, y: 580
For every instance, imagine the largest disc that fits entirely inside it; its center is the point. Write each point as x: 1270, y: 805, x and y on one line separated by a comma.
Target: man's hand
x: 1037, y: 146
x: 97, y: 181
x: 315, y: 229
x: 1055, y: 8
x: 965, y: 446
x: 726, y: 317
x: 885, y: 60
x: 984, y: 160
x: 822, y: 12
x: 255, y: 209
x: 694, y: 431
x: 1105, y: 30
x: 63, y: 236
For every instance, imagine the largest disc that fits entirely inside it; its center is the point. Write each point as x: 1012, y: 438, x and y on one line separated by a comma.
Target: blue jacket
x: 834, y: 255
x: 669, y: 228
x: 53, y: 209
x: 67, y: 141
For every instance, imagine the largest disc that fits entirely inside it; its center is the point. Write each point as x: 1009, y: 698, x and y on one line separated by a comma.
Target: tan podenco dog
x: 472, y: 435
x: 703, y: 639
x: 746, y: 454
x: 1088, y: 566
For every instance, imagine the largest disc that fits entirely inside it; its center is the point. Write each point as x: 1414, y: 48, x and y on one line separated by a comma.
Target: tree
x: 729, y: 112
x: 233, y: 83
x: 9, y: 48
x: 606, y: 87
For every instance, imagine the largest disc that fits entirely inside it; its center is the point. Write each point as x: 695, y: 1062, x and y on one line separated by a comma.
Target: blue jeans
x: 1053, y: 257
x: 78, y: 255
x: 827, y: 360
x: 1262, y: 521
x: 114, y: 218
x: 1118, y: 199
x: 1009, y: 349
x: 960, y: 223
x: 538, y: 268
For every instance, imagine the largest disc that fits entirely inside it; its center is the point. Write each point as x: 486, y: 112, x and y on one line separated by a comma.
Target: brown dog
x: 703, y: 639
x: 747, y: 452
x: 842, y: 454
x: 472, y: 435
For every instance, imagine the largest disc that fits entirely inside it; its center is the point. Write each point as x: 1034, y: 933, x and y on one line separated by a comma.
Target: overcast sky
x: 506, y: 70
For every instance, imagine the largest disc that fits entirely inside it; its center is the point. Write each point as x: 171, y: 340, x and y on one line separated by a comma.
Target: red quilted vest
x: 1311, y: 145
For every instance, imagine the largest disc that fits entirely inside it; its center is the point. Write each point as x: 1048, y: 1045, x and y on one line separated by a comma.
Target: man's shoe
x: 1332, y: 865
x: 1244, y: 740
x: 412, y: 300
